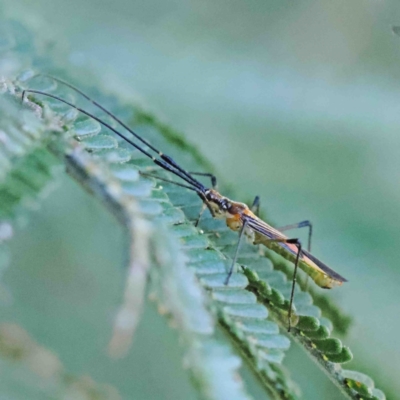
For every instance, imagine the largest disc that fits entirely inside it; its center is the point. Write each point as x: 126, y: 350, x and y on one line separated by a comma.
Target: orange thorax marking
x: 234, y: 222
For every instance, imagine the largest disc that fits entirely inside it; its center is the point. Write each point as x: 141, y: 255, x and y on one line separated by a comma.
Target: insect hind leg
x: 298, y: 244
x: 303, y: 224
x: 242, y: 230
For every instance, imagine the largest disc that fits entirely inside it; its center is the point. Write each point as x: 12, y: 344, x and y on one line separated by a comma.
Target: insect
x: 238, y: 216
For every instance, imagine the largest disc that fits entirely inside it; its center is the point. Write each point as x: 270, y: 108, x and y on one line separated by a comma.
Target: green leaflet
x: 26, y: 166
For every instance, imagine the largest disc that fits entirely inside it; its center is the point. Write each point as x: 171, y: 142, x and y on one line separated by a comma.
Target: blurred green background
x: 297, y: 102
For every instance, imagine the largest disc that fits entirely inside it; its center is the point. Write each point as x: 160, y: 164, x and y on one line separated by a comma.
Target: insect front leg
x: 242, y: 230
x: 203, y: 208
x: 212, y: 177
x: 255, y: 207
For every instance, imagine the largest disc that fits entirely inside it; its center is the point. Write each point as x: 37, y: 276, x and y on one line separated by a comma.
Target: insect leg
x: 165, y: 158
x: 297, y: 243
x: 162, y: 162
x: 296, y: 264
x: 302, y: 224
x: 203, y: 208
x: 236, y: 252
x: 212, y: 177
x: 204, y: 205
x: 255, y: 207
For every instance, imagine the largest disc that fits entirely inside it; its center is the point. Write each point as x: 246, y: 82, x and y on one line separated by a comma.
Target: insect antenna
x: 163, y: 156
x: 199, y: 188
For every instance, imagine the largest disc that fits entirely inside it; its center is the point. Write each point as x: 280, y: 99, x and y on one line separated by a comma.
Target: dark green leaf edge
x: 340, y: 320
x: 311, y: 331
